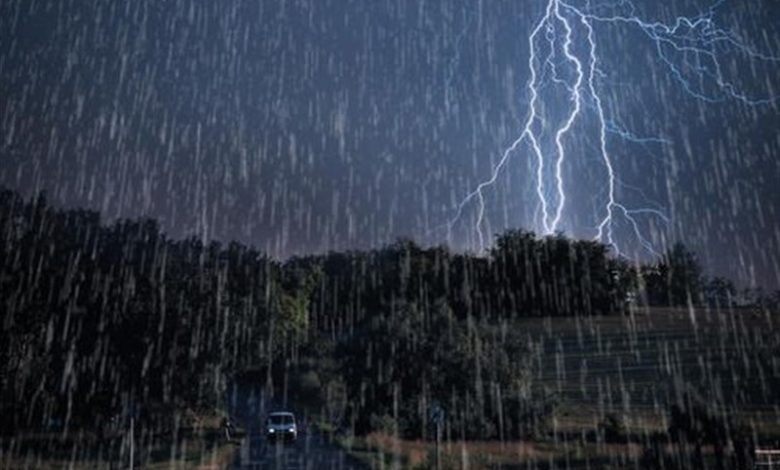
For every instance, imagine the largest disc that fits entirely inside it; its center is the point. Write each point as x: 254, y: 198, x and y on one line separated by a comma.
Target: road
x: 311, y: 451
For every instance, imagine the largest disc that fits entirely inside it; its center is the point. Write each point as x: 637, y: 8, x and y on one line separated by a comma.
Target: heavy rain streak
x: 364, y: 234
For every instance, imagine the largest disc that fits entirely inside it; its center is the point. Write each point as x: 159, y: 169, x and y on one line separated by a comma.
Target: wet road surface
x: 310, y: 451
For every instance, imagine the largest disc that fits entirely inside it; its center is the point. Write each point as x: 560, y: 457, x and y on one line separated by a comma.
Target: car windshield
x: 280, y: 419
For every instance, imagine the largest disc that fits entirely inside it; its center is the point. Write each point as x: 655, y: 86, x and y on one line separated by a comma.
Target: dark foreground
x: 248, y: 406
x: 311, y: 451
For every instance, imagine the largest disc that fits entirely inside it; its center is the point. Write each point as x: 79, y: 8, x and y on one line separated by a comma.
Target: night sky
x: 302, y: 126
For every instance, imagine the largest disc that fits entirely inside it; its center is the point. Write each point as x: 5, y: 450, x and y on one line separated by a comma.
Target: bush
x: 613, y: 429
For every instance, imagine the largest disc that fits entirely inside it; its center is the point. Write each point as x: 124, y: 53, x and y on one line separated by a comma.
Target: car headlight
x: 272, y: 431
x: 292, y: 429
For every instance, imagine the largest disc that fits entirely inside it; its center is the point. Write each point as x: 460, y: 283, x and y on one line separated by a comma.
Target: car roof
x: 281, y: 413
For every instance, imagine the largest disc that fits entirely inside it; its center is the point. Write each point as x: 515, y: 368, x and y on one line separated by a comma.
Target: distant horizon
x: 106, y: 222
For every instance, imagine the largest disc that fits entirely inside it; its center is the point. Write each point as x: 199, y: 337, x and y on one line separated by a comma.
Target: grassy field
x: 630, y: 369
x: 383, y: 451
x: 635, y: 367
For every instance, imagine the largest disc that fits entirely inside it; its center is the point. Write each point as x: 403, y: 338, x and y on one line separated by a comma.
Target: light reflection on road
x: 311, y: 451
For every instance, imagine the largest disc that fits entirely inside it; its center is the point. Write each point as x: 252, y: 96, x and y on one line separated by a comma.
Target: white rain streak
x: 466, y: 234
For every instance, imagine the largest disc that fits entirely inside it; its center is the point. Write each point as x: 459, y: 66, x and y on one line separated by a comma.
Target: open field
x: 636, y: 366
x: 631, y: 368
x: 383, y: 451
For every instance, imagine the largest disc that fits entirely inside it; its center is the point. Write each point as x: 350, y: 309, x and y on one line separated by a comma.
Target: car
x: 281, y: 425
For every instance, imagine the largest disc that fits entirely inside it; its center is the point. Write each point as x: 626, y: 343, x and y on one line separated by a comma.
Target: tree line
x: 98, y: 318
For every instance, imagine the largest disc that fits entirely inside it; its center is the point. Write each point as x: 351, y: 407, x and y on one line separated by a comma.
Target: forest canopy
x: 98, y: 316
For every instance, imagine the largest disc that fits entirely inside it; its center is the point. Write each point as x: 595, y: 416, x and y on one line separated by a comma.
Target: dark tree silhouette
x: 101, y: 318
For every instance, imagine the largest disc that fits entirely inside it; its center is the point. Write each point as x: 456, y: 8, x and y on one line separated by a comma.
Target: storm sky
x: 302, y: 126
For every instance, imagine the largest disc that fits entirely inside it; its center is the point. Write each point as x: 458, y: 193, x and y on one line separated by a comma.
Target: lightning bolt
x: 688, y: 47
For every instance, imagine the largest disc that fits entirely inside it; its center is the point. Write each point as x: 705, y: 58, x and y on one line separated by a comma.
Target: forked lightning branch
x: 564, y: 56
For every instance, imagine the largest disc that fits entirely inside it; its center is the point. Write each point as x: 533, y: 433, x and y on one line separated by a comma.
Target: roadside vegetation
x: 104, y: 323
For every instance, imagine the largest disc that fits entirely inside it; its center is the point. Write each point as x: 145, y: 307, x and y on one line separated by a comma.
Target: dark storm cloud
x: 301, y: 126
